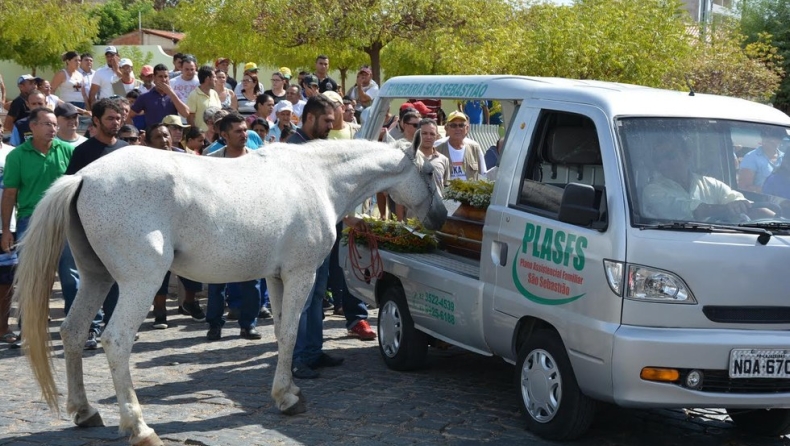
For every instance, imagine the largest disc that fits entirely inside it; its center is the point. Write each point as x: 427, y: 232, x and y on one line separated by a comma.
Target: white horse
x: 135, y: 214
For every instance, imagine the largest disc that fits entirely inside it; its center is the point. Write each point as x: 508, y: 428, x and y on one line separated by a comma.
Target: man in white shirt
x: 467, y: 161
x: 187, y: 82
x: 365, y: 90
x: 294, y: 95
x: 101, y: 84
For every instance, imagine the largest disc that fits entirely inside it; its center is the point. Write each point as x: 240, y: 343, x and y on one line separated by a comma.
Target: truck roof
x: 616, y: 99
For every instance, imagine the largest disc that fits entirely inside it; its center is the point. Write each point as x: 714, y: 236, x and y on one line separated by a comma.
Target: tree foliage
x: 759, y: 17
x: 36, y: 34
x: 118, y: 17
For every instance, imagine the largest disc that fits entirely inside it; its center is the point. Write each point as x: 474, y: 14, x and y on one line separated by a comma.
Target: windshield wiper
x: 763, y: 235
x: 777, y: 225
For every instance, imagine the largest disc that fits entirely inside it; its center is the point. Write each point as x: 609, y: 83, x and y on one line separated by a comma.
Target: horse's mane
x: 335, y: 147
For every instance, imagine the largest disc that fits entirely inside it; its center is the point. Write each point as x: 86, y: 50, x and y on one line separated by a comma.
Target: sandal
x: 9, y: 338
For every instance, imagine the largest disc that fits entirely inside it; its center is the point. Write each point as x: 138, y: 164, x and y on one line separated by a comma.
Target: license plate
x: 759, y: 363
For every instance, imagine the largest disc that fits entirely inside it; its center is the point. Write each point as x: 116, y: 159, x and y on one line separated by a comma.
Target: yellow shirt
x: 198, y: 102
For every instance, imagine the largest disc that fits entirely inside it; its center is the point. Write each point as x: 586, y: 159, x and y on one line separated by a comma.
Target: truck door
x: 554, y: 268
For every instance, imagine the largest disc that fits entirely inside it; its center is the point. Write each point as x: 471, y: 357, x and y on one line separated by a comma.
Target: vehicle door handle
x: 499, y: 253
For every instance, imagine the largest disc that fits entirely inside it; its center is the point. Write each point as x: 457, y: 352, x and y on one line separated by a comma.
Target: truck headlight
x: 651, y: 284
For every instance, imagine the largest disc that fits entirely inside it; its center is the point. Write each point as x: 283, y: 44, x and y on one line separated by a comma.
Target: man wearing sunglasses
x: 467, y: 161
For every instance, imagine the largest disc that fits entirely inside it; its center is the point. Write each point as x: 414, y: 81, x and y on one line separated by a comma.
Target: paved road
x: 199, y: 393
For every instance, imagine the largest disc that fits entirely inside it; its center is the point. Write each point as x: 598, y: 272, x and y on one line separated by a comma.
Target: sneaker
x: 214, y: 334
x: 250, y: 333
x: 160, y: 322
x: 362, y: 331
x: 91, y: 343
x: 326, y: 361
x: 302, y: 371
x: 265, y: 313
x: 193, y: 309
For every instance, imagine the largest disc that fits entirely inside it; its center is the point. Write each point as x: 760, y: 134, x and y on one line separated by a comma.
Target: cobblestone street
x: 199, y: 393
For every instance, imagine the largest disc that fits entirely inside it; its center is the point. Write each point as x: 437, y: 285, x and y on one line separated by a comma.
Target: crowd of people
x: 202, y: 110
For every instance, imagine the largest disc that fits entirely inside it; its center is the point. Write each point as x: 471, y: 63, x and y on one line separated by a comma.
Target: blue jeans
x: 70, y: 280
x: 310, y: 337
x: 248, y: 310
x: 353, y: 308
x: 234, y: 293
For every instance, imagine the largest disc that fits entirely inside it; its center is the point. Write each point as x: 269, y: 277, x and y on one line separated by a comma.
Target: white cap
x: 110, y: 49
x: 124, y: 62
x: 283, y: 106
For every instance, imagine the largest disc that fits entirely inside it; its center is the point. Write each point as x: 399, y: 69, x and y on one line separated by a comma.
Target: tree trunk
x: 374, y: 51
x: 343, y: 74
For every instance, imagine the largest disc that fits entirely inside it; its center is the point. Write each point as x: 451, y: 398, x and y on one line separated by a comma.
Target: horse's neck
x: 360, y: 177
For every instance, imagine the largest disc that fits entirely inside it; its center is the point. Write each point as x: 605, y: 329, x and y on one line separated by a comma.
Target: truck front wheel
x: 552, y: 403
x: 770, y: 423
x: 402, y: 346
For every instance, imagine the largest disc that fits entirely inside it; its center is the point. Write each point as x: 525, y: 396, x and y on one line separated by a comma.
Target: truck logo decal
x: 552, y: 254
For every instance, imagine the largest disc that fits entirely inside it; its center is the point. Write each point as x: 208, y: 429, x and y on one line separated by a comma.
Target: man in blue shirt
x: 159, y: 102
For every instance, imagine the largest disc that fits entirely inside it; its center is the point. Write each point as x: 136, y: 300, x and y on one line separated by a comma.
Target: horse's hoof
x: 296, y: 408
x: 151, y: 440
x: 301, y: 397
x: 94, y: 421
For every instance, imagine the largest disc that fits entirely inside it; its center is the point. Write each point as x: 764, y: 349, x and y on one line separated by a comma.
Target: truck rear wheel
x: 553, y: 405
x: 402, y: 346
x: 770, y: 423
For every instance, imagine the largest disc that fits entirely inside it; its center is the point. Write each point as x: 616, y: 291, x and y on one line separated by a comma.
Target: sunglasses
x: 131, y: 138
x: 456, y: 125
x: 413, y: 124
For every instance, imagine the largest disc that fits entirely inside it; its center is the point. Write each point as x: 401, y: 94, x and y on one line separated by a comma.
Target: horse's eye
x: 430, y: 173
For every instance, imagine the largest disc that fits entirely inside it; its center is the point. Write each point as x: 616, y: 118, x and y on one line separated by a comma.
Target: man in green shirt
x: 29, y: 171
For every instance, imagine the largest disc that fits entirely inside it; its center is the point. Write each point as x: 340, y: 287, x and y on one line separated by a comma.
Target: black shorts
x: 7, y: 274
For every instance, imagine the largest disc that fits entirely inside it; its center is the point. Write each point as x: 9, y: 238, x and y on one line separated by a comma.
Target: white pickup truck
x: 620, y: 262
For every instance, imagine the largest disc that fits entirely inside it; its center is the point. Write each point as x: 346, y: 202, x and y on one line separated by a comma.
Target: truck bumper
x: 693, y: 349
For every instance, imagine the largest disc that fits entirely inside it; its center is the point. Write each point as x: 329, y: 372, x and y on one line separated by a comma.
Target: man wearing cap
x: 187, y: 82
x: 286, y: 72
x: 176, y: 128
x: 147, y: 78
x: 325, y: 83
x: 101, y: 84
x: 202, y: 97
x: 249, y: 67
x: 223, y: 64
x: 19, y: 109
x: 159, y: 102
x: 22, y: 126
x: 126, y: 82
x: 467, y: 161
x: 365, y: 90
x: 310, y: 86
x: 283, y: 111
x: 67, y: 116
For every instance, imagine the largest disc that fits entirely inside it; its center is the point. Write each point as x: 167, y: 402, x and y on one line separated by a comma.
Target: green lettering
x: 578, y: 262
x: 568, y: 249
x: 529, y: 234
x: 535, y: 252
x: 556, y: 256
x: 545, y: 249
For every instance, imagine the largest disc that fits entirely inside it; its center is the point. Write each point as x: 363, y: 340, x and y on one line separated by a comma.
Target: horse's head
x: 419, y: 192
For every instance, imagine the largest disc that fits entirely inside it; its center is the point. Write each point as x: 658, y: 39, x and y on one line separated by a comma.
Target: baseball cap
x: 250, y: 66
x: 455, y: 114
x: 124, y: 62
x: 146, y: 70
x: 310, y: 80
x: 174, y: 120
x: 24, y: 77
x: 283, y: 106
x: 365, y: 69
x: 286, y: 72
x: 333, y: 97
x: 65, y: 110
x: 110, y: 49
x: 419, y: 106
x: 220, y: 61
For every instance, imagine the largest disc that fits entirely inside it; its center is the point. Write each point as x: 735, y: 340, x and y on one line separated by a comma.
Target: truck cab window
x: 564, y: 150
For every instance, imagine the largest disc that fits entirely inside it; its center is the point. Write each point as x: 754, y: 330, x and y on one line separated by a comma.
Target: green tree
x: 36, y: 34
x: 772, y: 17
x: 114, y: 19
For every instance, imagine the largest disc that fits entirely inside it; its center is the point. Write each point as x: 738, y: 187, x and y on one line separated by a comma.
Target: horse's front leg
x: 296, y: 286
x: 275, y: 287
x: 133, y: 304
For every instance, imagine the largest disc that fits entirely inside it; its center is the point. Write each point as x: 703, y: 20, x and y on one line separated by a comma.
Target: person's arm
x: 2, y: 91
x: 234, y: 101
x: 486, y: 114
x: 381, y: 203
x: 182, y: 108
x: 16, y: 138
x: 7, y: 210
x: 746, y: 180
x: 59, y: 78
x: 94, y: 91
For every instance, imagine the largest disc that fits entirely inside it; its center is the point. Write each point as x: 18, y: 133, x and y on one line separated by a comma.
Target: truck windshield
x: 705, y: 170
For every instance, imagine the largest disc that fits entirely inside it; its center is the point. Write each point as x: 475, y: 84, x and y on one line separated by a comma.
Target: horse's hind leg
x: 275, y: 287
x: 297, y: 286
x: 93, y: 289
x: 134, y: 301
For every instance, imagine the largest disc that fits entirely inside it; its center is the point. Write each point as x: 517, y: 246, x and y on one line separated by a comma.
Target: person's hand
x: 739, y: 207
x: 164, y: 87
x: 7, y: 241
x: 356, y: 223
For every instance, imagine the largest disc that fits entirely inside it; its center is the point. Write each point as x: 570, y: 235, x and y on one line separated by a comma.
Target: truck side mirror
x: 578, y: 205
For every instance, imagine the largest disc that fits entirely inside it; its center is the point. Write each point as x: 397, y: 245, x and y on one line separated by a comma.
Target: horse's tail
x: 40, y: 251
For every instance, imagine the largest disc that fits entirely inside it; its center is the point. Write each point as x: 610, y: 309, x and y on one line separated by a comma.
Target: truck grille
x: 719, y: 381
x: 747, y: 315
